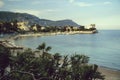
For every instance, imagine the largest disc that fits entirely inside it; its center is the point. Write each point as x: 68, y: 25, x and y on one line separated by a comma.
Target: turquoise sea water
x: 103, y: 48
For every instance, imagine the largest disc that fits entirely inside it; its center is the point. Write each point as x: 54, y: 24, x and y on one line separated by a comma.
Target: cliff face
x: 31, y: 19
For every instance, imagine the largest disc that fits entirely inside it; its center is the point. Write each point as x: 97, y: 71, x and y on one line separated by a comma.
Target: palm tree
x: 44, y: 49
x: 79, y: 67
x: 28, y: 67
x: 81, y: 70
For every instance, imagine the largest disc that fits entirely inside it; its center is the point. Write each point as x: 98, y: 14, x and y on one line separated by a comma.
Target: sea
x: 103, y: 48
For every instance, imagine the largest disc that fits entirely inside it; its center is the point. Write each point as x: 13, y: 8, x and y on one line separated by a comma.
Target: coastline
x: 51, y: 34
x: 110, y: 74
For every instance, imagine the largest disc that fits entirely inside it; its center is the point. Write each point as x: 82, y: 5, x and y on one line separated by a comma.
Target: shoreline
x: 109, y: 68
x: 19, y: 36
x: 110, y: 74
x: 51, y: 34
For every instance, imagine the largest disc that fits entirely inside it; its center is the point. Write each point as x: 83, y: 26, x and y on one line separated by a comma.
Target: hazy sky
x: 104, y: 13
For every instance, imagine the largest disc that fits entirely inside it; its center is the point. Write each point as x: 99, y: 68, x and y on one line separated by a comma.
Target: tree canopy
x: 26, y: 66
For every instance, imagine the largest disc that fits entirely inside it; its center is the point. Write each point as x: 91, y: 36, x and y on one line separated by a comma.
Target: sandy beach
x: 110, y: 74
x: 51, y: 34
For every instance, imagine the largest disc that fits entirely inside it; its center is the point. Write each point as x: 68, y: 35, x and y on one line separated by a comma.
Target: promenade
x: 52, y: 34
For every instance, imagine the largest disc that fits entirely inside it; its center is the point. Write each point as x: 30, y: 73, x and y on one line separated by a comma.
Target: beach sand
x: 110, y: 74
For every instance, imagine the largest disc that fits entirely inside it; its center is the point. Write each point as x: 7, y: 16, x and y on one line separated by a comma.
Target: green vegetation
x: 6, y: 16
x: 7, y: 27
x: 21, y: 27
x: 11, y: 22
x: 27, y: 66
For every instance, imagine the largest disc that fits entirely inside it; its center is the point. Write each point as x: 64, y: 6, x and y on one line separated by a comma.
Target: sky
x: 104, y: 13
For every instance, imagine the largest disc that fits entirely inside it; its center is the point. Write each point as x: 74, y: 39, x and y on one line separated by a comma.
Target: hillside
x: 6, y: 16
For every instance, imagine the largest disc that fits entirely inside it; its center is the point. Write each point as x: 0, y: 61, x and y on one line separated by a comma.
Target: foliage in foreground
x: 28, y: 66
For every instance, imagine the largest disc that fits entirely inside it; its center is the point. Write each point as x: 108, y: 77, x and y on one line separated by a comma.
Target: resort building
x: 90, y: 26
x: 43, y: 28
x: 23, y: 26
x: 75, y: 28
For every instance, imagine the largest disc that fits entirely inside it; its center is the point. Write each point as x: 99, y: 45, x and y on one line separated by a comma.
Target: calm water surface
x: 102, y: 48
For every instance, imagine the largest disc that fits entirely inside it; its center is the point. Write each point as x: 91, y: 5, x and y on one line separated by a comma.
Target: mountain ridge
x: 7, y: 16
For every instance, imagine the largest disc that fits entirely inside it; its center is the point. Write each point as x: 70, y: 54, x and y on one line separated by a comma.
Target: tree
x: 44, y: 49
x: 25, y: 66
x: 4, y: 59
x: 82, y: 28
x: 7, y: 27
x: 15, y: 26
x: 81, y: 70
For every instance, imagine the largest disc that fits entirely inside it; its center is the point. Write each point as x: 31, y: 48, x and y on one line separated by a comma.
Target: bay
x: 103, y: 48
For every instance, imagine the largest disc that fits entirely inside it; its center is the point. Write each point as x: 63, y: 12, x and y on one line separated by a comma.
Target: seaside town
x: 11, y: 27
x: 41, y: 55
x: 62, y: 64
x: 24, y: 29
x: 59, y: 39
x: 21, y: 29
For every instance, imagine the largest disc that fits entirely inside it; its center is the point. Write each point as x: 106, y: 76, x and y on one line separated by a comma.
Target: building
x: 92, y: 25
x: 23, y: 26
x: 10, y: 46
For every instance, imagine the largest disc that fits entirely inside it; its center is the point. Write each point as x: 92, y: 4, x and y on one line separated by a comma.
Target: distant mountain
x: 6, y: 16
